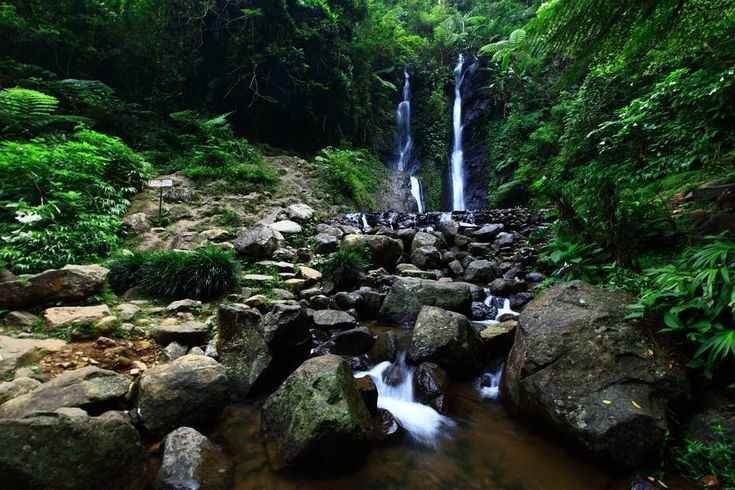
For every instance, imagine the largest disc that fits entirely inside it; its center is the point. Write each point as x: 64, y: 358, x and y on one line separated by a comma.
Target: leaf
x: 607, y: 402
x: 635, y: 404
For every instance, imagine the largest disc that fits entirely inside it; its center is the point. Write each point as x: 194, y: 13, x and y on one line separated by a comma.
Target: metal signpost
x: 160, y: 185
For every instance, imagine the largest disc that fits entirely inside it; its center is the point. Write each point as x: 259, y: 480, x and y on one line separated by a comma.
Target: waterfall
x: 423, y: 423
x: 405, y: 140
x: 458, y: 203
x: 489, y: 383
x: 416, y: 193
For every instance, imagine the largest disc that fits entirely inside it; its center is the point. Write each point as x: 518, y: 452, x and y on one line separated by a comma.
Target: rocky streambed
x: 443, y: 364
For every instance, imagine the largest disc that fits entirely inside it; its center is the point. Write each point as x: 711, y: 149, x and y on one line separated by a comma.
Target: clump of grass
x: 343, y: 268
x: 204, y: 273
x: 716, y: 457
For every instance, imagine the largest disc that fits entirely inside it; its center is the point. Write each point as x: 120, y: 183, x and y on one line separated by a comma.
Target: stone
x: 426, y: 257
x: 498, y: 339
x: 329, y: 230
x: 384, y: 250
x: 184, y: 305
x: 480, y: 271
x: 503, y: 240
x: 300, y: 212
x: 447, y: 339
x: 311, y: 275
x: 388, y: 345
x: 285, y: 253
x: 21, y: 319
x: 535, y: 277
x: 103, y: 326
x: 347, y: 301
x: 317, y: 417
x: 370, y: 302
x: 215, y: 235
x: 519, y: 300
x: 580, y: 368
x: 333, y: 320
x: 189, y: 333
x: 716, y: 408
x: 295, y: 285
x: 17, y: 387
x: 287, y: 227
x: 430, y: 384
x: 259, y: 242
x: 424, y: 239
x: 505, y: 287
x: 368, y: 392
x: 69, y: 450
x: 456, y: 267
x: 173, y: 351
x: 17, y: 353
x: 70, y: 283
x: 191, y: 461
x: 91, y: 388
x: 190, y: 391
x: 282, y: 294
x: 325, y: 243
x: 137, y: 222
x: 487, y: 233
x: 127, y: 311
x: 408, y: 295
x: 353, y: 342
x: 258, y: 279
x: 64, y: 316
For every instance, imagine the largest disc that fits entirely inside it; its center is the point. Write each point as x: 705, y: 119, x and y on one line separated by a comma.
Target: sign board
x: 160, y: 184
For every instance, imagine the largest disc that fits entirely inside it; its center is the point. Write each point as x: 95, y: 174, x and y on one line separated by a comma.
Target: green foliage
x: 23, y: 109
x: 703, y: 458
x: 696, y: 296
x: 571, y: 260
x: 205, y: 273
x: 343, y: 268
x: 63, y: 198
x: 354, y: 175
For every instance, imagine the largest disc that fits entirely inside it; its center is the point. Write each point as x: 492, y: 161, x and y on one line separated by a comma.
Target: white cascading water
x: 405, y: 140
x: 489, y: 384
x: 457, y: 164
x: 416, y: 193
x: 423, y: 423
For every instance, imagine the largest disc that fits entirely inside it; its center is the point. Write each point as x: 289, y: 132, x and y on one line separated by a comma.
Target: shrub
x: 699, y: 459
x: 204, y: 273
x: 343, y: 268
x: 352, y: 174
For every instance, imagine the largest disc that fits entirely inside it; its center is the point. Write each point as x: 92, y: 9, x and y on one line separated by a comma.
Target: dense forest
x: 613, y: 120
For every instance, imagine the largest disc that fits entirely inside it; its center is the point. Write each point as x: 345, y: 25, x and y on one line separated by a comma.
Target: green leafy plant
x: 698, y: 459
x: 353, y: 174
x: 22, y: 109
x: 126, y: 271
x: 572, y: 260
x: 343, y: 268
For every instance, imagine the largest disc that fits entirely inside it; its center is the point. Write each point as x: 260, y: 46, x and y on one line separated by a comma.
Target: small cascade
x: 403, y: 120
x: 416, y: 193
x: 394, y: 382
x: 488, y: 385
x: 457, y: 163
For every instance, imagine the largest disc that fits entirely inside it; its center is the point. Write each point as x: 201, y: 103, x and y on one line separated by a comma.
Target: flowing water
x: 405, y: 142
x: 457, y: 163
x: 417, y: 193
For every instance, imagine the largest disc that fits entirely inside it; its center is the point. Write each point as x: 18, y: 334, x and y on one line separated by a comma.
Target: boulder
x: 21, y: 319
x: 71, y: 451
x: 430, y: 384
x: 127, y: 311
x: 311, y: 275
x: 487, y: 233
x: 317, y: 416
x: 503, y: 240
x: 65, y: 316
x: 17, y: 387
x: 384, y: 250
x: 173, y: 351
x: 498, y: 339
x: 480, y: 271
x: 424, y: 239
x: 258, y: 242
x: 189, y: 333
x: 447, y: 339
x: 137, y: 222
x: 70, y: 283
x: 370, y: 302
x: 353, y: 342
x: 16, y: 353
x: 388, y: 345
x: 191, y: 461
x: 184, y: 305
x: 92, y: 389
x: 325, y: 243
x: 333, y: 320
x: 286, y: 227
x: 300, y: 212
x: 191, y: 391
x: 408, y: 295
x: 579, y: 367
x: 426, y: 257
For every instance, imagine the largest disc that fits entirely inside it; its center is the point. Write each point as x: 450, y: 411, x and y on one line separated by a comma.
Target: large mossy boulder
x: 579, y: 367
x: 191, y: 391
x: 384, y: 250
x: 447, y: 339
x: 92, y: 389
x: 408, y: 295
x: 317, y: 417
x: 70, y: 451
x: 70, y: 283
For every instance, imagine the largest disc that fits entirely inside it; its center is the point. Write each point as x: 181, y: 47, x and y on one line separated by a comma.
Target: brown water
x: 486, y: 450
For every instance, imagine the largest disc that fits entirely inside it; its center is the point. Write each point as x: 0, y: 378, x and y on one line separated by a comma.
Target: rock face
x: 317, y: 416
x: 70, y: 451
x: 92, y: 389
x: 258, y: 242
x: 408, y: 295
x: 189, y: 333
x: 192, y: 390
x: 17, y: 387
x: 581, y: 368
x: 15, y: 353
x: 64, y: 316
x: 71, y: 283
x: 191, y: 461
x: 446, y: 338
x: 385, y: 251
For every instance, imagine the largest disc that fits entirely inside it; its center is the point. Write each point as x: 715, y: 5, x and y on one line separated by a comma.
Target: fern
x: 24, y: 109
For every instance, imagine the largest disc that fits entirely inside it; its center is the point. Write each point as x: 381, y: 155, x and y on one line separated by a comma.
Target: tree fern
x: 23, y: 109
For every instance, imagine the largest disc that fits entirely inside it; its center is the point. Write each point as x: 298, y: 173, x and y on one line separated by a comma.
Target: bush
x: 343, y: 268
x: 205, y: 273
x: 352, y: 174
x: 699, y: 459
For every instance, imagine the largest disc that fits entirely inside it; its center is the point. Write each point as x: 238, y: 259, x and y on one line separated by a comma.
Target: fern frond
x: 25, y: 109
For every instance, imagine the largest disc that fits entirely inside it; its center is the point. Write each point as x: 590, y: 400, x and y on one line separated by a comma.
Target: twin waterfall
x: 405, y: 142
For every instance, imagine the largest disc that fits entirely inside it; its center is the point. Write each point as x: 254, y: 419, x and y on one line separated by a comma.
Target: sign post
x: 160, y: 185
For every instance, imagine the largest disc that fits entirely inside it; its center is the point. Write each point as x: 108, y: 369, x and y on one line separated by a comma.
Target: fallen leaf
x: 710, y: 481
x: 662, y: 484
x: 607, y: 402
x: 635, y: 404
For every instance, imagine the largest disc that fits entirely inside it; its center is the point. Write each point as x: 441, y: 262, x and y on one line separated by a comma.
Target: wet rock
x: 387, y: 427
x: 333, y: 320
x: 519, y: 300
x: 388, y: 345
x: 580, y: 368
x: 325, y: 243
x: 259, y: 242
x: 426, y: 257
x: 189, y: 333
x: 353, y: 342
x: 481, y: 311
x: 191, y: 461
x: 70, y: 283
x: 173, y: 351
x: 317, y: 416
x: 408, y: 295
x: 385, y: 251
x: 480, y: 249
x: 92, y: 389
x: 370, y: 302
x: 456, y: 267
x: 191, y: 391
x: 487, y: 233
x: 70, y: 451
x: 505, y: 287
x: 346, y: 301
x: 446, y: 338
x: 368, y: 392
x: 498, y: 339
x: 21, y: 319
x: 65, y: 316
x: 16, y: 388
x: 430, y: 385
x: 503, y: 240
x: 480, y: 271
x: 320, y: 302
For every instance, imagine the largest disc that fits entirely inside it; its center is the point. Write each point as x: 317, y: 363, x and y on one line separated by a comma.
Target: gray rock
x: 191, y: 461
x: 503, y: 240
x: 184, y: 305
x: 370, y: 302
x: 535, y: 277
x: 446, y: 338
x: 353, y: 342
x: 580, y: 368
x: 191, y: 391
x: 408, y: 295
x: 426, y: 257
x: 325, y: 243
x: 456, y: 267
x: 189, y: 333
x: 480, y: 271
x: 21, y: 319
x: 137, y: 222
x: 92, y: 389
x: 70, y: 283
x: 385, y: 251
x: 424, y: 239
x: 300, y: 212
x: 173, y: 351
x: 17, y: 387
x: 259, y: 242
x: 287, y: 227
x: 488, y: 232
x: 333, y: 320
x: 430, y: 384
